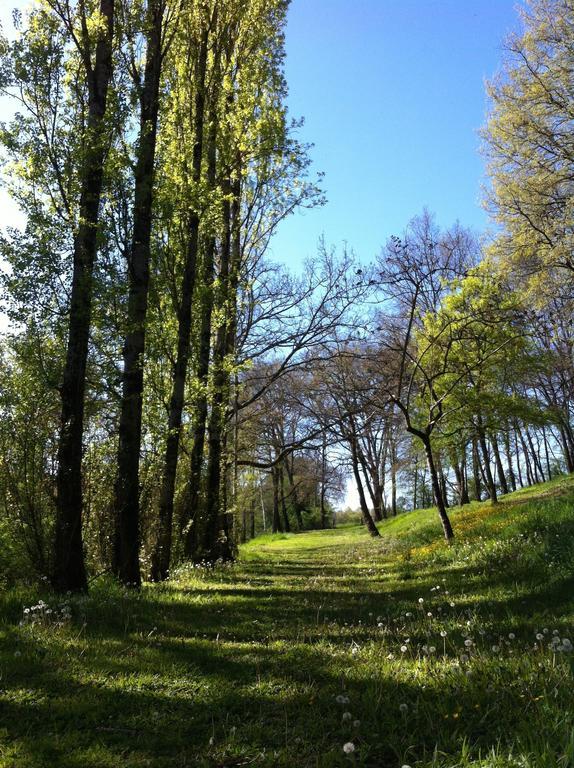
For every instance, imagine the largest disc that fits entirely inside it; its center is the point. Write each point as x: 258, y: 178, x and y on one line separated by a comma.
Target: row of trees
x: 153, y: 158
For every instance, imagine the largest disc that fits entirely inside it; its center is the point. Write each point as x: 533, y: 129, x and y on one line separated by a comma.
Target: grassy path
x: 403, y: 651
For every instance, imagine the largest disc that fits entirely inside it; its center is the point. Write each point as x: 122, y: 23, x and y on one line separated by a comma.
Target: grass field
x: 317, y: 649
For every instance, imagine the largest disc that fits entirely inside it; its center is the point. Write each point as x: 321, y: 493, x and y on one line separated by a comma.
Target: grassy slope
x: 243, y: 665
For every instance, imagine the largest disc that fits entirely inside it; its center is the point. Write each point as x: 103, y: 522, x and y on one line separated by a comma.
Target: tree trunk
x: 366, y: 515
x: 277, y: 526
x: 487, y: 470
x: 547, y: 454
x: 439, y: 501
x: 509, y: 459
x: 498, y: 461
x: 215, y: 545
x: 393, y: 477
x: 286, y: 523
x: 460, y: 480
x: 127, y: 539
x: 69, y: 567
x: 162, y: 552
x: 323, y: 481
x: 538, y: 471
x: 476, y: 470
x: 252, y: 518
x: 289, y: 467
x: 525, y: 453
x: 566, y: 450
x: 190, y: 521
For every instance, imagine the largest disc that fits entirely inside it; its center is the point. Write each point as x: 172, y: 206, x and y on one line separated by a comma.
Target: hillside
x: 318, y: 649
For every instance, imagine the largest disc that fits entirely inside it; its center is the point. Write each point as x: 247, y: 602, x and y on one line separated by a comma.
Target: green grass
x: 253, y: 664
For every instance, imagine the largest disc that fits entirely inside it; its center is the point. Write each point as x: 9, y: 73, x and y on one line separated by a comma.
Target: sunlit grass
x: 414, y: 652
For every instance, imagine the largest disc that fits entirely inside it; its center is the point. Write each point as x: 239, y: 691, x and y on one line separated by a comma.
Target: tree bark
x: 566, y: 450
x: 517, y: 450
x: 435, y: 482
x: 218, y: 546
x: 366, y: 515
x: 286, y: 523
x: 486, y: 460
x: 277, y: 526
x: 476, y: 470
x: 127, y: 539
x: 498, y: 461
x: 525, y: 453
x: 69, y: 565
x: 509, y: 459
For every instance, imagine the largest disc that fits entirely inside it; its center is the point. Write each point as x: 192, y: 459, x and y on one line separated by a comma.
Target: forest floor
x: 403, y: 651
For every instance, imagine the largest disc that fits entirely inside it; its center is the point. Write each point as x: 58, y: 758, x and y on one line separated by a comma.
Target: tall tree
x: 127, y: 534
x: 95, y: 47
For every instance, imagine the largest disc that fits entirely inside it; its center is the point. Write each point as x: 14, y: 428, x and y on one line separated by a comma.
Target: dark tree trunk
x: 215, y: 545
x: 547, y: 454
x: 498, y: 461
x: 378, y: 501
x: 162, y: 552
x: 393, y: 477
x: 190, y: 521
x: 517, y: 450
x: 69, y: 567
x: 366, y: 515
x: 569, y: 439
x: 252, y: 518
x: 526, y: 455
x: 538, y: 471
x: 460, y: 480
x: 437, y: 491
x: 509, y: 459
x: 566, y: 450
x: 127, y: 538
x: 476, y: 470
x: 487, y: 470
x: 277, y: 527
x: 286, y: 523
x: 289, y: 468
x: 323, y: 491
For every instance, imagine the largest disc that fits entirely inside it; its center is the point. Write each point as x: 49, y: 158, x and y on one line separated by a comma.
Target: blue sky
x: 392, y: 92
x: 393, y: 95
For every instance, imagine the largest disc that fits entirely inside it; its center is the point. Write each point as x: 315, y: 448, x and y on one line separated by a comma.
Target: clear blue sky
x: 393, y: 95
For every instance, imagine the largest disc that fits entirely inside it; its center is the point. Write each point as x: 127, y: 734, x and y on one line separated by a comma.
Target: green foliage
x: 528, y: 145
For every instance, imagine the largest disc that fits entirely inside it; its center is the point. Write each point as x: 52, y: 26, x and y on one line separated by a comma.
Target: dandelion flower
x: 421, y: 600
x: 348, y: 748
x: 404, y: 708
x: 347, y: 716
x: 511, y: 636
x: 404, y: 649
x: 443, y: 633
